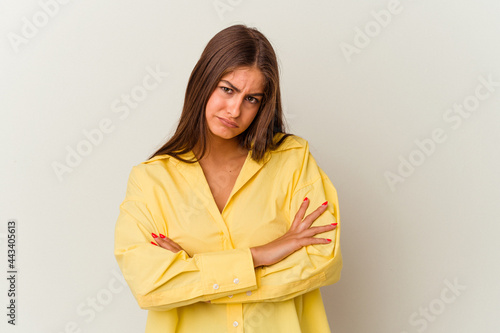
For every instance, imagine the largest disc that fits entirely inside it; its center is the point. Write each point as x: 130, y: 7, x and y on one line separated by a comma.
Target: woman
x: 213, y: 234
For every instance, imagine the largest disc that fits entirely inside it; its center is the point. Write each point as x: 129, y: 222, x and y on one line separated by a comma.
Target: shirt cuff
x: 233, y: 272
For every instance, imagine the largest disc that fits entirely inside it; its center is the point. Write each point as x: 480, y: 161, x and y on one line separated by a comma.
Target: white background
x: 362, y: 113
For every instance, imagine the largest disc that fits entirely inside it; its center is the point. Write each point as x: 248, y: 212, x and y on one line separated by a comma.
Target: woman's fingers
x: 166, y: 243
x: 320, y: 229
x: 308, y: 221
x: 314, y: 240
x: 299, y: 235
x: 300, y: 213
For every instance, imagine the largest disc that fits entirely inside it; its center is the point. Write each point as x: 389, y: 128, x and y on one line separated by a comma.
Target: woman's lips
x: 228, y: 123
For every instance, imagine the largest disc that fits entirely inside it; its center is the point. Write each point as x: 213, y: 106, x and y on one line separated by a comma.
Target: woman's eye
x: 252, y: 100
x: 226, y: 89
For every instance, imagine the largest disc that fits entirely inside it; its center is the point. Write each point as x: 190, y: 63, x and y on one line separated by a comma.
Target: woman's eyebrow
x: 238, y: 90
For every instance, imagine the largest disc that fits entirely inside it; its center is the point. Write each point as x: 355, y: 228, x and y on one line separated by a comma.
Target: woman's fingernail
x: 334, y: 223
x: 328, y: 239
x: 154, y: 243
x: 305, y: 198
x: 162, y: 236
x: 154, y: 235
x: 325, y: 203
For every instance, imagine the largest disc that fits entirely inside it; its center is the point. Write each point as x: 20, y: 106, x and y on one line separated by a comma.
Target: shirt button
x: 230, y: 296
x: 249, y: 293
x: 216, y: 286
x: 236, y: 280
x: 235, y: 323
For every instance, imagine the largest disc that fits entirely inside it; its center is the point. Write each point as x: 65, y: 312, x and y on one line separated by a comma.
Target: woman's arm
x: 162, y: 280
x: 299, y: 235
x: 313, y: 265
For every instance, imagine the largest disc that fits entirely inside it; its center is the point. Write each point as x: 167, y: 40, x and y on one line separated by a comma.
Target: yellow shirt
x: 167, y: 196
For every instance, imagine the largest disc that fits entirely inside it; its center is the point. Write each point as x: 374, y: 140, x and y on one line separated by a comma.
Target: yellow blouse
x: 167, y: 196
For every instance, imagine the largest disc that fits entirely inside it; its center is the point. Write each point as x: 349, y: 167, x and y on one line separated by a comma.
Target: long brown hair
x: 231, y: 48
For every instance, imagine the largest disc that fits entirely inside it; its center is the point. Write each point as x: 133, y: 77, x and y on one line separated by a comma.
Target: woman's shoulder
x: 162, y: 158
x: 154, y: 166
x: 151, y: 171
x: 166, y: 159
x: 291, y: 142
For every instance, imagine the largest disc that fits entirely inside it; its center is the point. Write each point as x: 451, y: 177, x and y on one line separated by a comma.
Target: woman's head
x: 236, y: 99
x: 230, y: 51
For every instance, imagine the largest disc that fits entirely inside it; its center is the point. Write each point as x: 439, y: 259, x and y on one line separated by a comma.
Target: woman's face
x: 236, y: 100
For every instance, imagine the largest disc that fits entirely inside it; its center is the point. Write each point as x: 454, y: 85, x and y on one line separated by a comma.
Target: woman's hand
x: 300, y: 234
x: 166, y: 243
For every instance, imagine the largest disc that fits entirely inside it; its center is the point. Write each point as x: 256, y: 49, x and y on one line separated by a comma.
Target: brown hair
x: 231, y: 48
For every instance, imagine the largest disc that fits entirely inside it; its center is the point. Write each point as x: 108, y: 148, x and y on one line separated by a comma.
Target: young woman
x: 231, y: 226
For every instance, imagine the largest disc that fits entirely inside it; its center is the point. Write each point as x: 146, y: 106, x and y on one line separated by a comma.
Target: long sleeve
x: 160, y: 279
x: 312, y: 266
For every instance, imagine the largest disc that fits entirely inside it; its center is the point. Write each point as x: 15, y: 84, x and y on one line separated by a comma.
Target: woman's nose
x: 234, y: 107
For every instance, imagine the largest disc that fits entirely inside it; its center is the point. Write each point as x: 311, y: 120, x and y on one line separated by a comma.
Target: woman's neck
x: 222, y: 151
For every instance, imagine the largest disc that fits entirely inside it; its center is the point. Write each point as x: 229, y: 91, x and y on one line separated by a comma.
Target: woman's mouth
x: 228, y: 123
